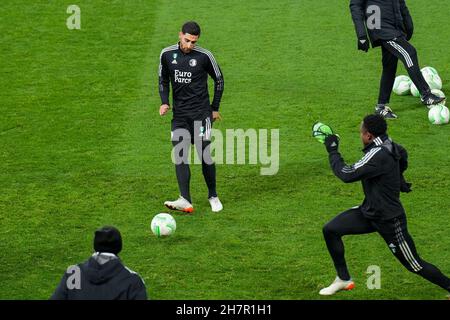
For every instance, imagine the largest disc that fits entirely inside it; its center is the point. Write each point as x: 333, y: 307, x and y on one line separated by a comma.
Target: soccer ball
x: 429, y: 70
x: 163, y: 225
x: 438, y: 93
x: 402, y: 85
x: 438, y: 114
x: 433, y: 80
x: 414, y: 91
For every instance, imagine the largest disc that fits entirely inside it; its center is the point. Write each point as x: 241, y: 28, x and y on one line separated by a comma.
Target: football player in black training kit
x: 186, y: 67
x: 381, y: 174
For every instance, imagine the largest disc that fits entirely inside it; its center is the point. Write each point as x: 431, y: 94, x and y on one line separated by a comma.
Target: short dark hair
x: 191, y: 27
x: 375, y: 124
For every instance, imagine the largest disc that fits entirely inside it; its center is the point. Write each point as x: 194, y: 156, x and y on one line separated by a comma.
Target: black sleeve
x: 214, y: 71
x: 368, y: 167
x: 137, y: 290
x: 403, y: 162
x: 403, y: 165
x: 164, y: 80
x: 407, y: 20
x: 61, y: 291
x: 357, y: 10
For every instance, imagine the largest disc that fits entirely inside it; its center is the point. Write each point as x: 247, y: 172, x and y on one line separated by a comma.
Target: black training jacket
x: 188, y: 75
x: 101, y: 278
x: 394, y: 16
x: 381, y: 173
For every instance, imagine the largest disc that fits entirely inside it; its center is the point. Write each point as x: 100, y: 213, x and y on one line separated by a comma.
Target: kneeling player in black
x: 381, y: 173
x: 390, y: 26
x: 186, y: 67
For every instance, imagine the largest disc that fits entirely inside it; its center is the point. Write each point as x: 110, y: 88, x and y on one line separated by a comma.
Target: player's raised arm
x: 367, y: 167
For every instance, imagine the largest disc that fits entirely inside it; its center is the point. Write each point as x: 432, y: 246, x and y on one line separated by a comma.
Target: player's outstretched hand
x: 216, y: 116
x: 332, y: 143
x: 363, y: 44
x: 163, y: 109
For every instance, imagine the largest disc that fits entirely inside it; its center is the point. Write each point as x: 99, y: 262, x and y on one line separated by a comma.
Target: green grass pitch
x: 82, y: 145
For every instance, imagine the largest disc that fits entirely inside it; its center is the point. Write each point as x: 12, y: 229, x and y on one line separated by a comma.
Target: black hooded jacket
x: 395, y: 20
x: 381, y: 173
x: 102, y: 277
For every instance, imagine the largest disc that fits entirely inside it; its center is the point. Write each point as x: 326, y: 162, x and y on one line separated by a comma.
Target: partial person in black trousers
x: 388, y: 23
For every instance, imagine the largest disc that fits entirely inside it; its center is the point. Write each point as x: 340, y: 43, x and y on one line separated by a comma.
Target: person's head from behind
x: 108, y: 240
x: 189, y: 34
x: 372, y: 126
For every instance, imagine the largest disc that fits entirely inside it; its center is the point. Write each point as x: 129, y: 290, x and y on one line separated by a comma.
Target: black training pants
x: 185, y: 132
x: 392, y: 50
x: 394, y: 233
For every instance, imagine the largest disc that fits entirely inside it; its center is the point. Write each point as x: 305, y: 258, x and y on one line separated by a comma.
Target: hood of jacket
x: 101, y: 267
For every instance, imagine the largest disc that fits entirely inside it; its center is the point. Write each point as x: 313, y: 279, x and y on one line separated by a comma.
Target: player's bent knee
x: 328, y: 229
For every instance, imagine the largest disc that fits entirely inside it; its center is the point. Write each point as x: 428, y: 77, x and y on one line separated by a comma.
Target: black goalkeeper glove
x: 332, y: 143
x: 363, y: 44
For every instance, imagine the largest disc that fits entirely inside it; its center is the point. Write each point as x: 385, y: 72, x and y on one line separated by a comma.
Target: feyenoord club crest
x: 175, y: 55
x: 193, y: 62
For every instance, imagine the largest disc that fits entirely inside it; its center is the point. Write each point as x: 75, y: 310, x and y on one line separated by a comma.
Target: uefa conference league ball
x: 414, y: 91
x: 163, y: 225
x: 432, y: 77
x: 433, y: 80
x: 438, y: 114
x: 438, y: 93
x: 402, y: 85
x: 429, y: 70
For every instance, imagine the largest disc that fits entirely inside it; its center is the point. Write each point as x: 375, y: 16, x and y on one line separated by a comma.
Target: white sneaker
x: 181, y: 205
x: 336, y: 286
x: 216, y: 205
